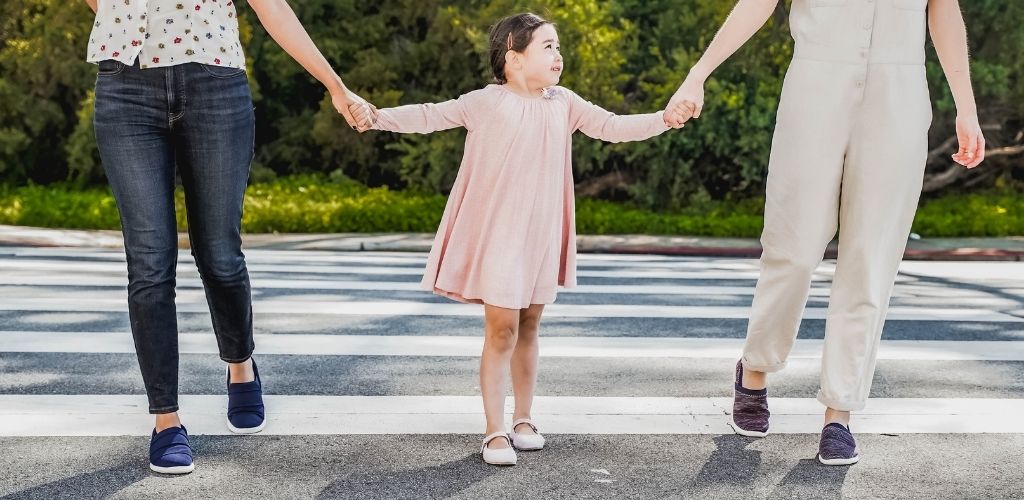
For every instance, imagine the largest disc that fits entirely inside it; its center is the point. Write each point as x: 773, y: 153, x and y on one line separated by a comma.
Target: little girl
x: 507, y: 239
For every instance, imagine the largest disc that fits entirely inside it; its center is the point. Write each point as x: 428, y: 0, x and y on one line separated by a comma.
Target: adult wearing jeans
x: 172, y: 94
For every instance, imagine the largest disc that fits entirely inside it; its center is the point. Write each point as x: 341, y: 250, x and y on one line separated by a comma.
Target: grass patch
x: 317, y: 204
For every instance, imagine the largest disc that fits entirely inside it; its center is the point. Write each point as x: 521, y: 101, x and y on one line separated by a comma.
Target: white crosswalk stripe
x: 309, y: 305
x: 50, y: 299
x: 429, y: 345
x: 101, y: 415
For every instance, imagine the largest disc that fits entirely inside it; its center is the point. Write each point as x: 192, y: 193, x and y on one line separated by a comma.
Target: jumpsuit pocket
x: 110, y: 67
x: 910, y: 4
x: 828, y: 3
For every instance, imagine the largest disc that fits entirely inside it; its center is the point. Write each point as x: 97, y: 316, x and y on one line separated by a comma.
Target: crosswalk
x: 348, y: 344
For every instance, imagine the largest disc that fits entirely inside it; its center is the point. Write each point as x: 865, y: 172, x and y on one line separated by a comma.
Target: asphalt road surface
x: 372, y: 387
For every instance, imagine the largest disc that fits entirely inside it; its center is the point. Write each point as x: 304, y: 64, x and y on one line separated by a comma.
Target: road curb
x: 955, y: 249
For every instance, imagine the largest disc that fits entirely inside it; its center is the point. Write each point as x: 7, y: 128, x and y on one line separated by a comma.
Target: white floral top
x: 166, y: 33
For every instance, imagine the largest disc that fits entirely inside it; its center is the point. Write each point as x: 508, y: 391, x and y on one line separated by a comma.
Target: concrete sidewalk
x: 995, y: 249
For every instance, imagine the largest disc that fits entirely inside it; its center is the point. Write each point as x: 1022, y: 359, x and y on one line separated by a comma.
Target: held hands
x: 687, y: 102
x: 347, y: 103
x: 972, y: 142
x: 677, y: 115
x: 365, y: 115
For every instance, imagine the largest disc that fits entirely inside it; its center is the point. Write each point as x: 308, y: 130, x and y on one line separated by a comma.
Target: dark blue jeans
x: 199, y: 120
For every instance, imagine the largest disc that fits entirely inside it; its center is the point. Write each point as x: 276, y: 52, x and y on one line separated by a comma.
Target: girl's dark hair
x: 511, y: 33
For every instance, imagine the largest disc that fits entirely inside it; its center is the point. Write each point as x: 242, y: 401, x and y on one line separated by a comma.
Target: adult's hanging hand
x: 972, y: 142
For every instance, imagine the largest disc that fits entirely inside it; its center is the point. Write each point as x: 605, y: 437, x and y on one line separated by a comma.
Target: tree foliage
x: 626, y: 55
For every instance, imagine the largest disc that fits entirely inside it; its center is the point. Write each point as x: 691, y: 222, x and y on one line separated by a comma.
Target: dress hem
x: 459, y: 297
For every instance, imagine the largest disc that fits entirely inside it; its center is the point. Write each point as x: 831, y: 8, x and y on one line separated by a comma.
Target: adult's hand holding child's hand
x: 677, y: 114
x: 345, y: 101
x: 688, y: 101
x: 364, y: 114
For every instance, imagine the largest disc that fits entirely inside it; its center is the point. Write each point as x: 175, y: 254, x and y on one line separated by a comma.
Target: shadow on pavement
x: 97, y: 484
x: 437, y: 481
x: 811, y: 479
x: 730, y: 464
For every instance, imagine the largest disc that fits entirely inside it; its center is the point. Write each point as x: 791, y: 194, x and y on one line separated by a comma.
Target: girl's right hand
x: 676, y: 116
x: 689, y: 99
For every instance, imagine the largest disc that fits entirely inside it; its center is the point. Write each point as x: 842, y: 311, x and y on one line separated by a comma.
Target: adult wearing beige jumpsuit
x: 849, y: 152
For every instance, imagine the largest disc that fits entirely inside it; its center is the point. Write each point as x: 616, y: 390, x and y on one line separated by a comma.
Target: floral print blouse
x: 166, y: 32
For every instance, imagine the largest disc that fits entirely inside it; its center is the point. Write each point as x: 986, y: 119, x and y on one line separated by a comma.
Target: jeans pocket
x: 110, y: 67
x: 222, y: 71
x: 910, y: 4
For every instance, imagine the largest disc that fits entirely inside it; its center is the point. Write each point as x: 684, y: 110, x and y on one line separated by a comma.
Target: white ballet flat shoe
x: 526, y: 442
x: 498, y: 456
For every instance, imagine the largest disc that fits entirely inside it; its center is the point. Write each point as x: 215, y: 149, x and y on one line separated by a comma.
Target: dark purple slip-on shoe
x: 837, y: 445
x: 749, y: 408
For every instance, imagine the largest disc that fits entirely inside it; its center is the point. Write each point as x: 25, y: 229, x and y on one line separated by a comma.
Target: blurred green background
x: 626, y: 55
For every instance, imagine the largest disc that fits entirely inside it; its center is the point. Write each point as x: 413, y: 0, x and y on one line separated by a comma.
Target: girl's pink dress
x: 508, y: 234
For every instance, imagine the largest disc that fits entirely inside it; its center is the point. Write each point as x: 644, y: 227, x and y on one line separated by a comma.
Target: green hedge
x: 626, y: 55
x: 996, y: 214
x: 317, y: 204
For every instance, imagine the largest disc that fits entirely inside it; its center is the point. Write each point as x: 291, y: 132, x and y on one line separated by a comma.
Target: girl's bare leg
x: 524, y: 364
x: 501, y: 327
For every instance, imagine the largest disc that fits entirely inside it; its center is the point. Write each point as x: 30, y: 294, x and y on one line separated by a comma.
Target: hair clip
x: 509, y: 40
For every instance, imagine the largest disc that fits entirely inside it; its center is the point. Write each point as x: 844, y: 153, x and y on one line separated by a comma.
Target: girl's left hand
x: 343, y: 100
x: 364, y: 114
x: 972, y: 142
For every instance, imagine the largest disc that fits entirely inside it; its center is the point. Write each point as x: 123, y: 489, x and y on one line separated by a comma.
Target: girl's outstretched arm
x: 280, y: 22
x: 599, y: 123
x: 745, y: 19
x: 946, y: 25
x: 427, y: 118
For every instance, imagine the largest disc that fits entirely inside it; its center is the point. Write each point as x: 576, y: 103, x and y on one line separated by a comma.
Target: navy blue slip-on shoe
x: 170, y: 451
x: 749, y: 408
x: 837, y: 445
x: 246, y: 414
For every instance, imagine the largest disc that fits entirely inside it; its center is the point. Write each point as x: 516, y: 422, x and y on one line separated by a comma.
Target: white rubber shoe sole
x: 246, y: 430
x: 181, y: 469
x: 839, y: 461
x: 743, y: 432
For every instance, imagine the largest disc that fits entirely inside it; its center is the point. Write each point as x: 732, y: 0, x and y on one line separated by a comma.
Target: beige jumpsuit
x: 848, y: 152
